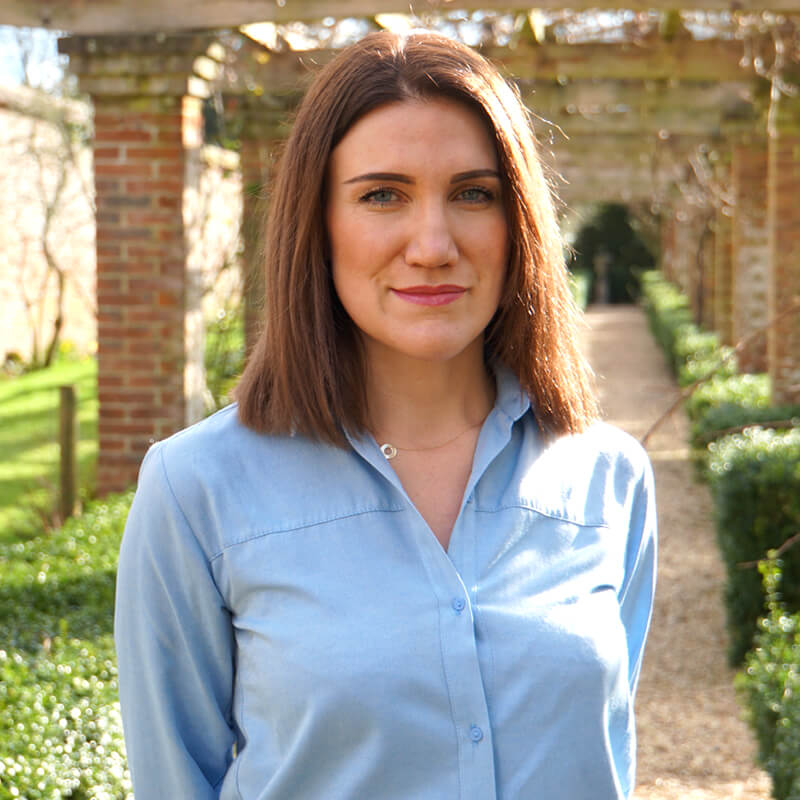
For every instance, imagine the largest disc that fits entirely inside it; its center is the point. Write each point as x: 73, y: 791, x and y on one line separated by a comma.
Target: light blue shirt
x: 289, y: 628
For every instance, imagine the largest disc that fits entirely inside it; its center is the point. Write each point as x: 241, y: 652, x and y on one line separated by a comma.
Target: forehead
x: 436, y: 130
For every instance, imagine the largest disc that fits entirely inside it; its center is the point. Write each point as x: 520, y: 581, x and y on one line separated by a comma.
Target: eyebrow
x: 398, y: 177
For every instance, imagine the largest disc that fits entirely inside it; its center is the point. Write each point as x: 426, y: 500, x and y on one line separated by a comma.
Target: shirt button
x: 475, y: 733
x: 458, y: 604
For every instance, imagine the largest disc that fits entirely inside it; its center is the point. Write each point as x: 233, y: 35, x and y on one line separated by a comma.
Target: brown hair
x: 306, y: 372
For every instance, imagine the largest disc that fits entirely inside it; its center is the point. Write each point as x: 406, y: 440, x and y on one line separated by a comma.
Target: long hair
x: 306, y: 372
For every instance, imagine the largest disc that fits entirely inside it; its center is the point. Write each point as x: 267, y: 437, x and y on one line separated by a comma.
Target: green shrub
x: 60, y: 732
x: 717, y: 421
x: 744, y: 391
x: 691, y: 353
x: 755, y: 483
x: 224, y: 354
x: 668, y: 313
x: 580, y: 282
x: 770, y: 688
x: 691, y: 342
x: 699, y: 366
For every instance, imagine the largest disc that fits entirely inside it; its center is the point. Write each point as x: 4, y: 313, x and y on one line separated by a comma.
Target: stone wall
x: 46, y: 172
x: 35, y: 157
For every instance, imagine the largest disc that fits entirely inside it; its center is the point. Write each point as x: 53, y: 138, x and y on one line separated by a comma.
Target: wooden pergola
x: 705, y: 129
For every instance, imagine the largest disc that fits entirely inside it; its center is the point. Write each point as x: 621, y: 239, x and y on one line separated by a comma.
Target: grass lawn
x: 29, y: 443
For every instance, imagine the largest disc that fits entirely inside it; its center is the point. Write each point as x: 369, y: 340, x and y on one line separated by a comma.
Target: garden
x: 60, y: 729
x: 749, y: 453
x: 59, y: 719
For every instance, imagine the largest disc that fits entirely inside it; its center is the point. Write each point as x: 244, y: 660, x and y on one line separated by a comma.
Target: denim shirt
x: 288, y: 626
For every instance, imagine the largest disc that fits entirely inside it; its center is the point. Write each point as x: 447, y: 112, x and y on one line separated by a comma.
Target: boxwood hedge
x: 770, y: 687
x: 755, y: 483
x: 722, y: 399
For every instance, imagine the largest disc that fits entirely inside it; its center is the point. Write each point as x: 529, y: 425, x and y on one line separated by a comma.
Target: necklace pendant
x: 389, y: 451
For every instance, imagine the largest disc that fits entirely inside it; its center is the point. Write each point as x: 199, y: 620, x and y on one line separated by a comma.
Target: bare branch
x: 788, y: 544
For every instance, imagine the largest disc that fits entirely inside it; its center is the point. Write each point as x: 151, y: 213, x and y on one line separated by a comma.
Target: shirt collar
x: 510, y: 405
x: 511, y: 399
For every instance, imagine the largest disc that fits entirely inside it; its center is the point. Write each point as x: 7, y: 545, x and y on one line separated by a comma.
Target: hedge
x: 60, y: 730
x: 580, y: 283
x: 721, y: 399
x: 751, y: 393
x: 668, y: 313
x: 770, y: 687
x: 755, y: 483
x: 726, y: 403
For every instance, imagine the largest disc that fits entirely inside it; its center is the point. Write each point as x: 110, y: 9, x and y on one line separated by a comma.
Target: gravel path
x: 693, y: 744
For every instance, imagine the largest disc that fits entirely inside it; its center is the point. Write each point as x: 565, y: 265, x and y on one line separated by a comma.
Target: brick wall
x: 783, y: 338
x: 750, y: 252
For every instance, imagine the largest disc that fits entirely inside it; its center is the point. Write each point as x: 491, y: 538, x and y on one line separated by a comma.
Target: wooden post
x: 68, y: 439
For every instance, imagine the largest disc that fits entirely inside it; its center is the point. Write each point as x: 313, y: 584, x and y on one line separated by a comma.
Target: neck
x: 417, y: 403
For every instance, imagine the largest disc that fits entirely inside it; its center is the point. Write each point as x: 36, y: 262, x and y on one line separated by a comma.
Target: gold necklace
x: 390, y: 450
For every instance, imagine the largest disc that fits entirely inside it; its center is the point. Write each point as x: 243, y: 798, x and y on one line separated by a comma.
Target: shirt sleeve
x: 638, y: 591
x: 174, y: 645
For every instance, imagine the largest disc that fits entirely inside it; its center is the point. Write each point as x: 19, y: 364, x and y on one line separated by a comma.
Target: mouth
x: 431, y: 295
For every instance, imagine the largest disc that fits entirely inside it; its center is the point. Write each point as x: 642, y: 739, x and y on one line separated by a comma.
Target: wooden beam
x: 145, y: 16
x: 624, y: 150
x: 669, y: 69
x: 611, y: 96
x: 658, y: 109
x: 685, y: 60
x: 708, y: 121
x: 593, y: 168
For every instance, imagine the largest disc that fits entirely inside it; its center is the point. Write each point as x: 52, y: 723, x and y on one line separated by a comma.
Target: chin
x: 440, y: 351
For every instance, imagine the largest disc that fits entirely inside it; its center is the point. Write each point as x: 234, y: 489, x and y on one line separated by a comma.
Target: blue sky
x: 45, y: 67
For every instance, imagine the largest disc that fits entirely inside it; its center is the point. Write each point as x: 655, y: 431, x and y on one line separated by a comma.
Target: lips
x: 430, y: 295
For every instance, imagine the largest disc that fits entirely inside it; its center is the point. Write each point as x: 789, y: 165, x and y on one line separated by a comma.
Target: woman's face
x: 418, y: 235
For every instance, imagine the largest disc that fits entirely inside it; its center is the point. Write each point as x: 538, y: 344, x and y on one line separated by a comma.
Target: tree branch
x: 788, y: 544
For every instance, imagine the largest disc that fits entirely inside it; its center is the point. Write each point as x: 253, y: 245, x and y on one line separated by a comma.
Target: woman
x: 408, y: 563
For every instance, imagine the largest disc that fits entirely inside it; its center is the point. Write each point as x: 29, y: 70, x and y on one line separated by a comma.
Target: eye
x: 476, y: 195
x: 379, y: 197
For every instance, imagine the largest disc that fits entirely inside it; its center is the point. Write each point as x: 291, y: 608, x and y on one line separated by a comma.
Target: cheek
x: 349, y: 242
x: 352, y: 287
x: 497, y: 253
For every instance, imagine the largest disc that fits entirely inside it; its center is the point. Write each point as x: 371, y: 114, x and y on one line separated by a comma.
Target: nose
x: 431, y: 243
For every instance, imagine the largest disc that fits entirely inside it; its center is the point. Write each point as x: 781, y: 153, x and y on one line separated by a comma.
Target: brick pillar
x: 783, y: 222
x: 720, y: 279
x: 147, y: 123
x: 750, y: 254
